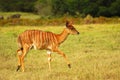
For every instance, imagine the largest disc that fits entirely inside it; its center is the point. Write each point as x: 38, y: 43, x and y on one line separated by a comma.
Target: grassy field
x: 94, y: 55
x: 31, y: 19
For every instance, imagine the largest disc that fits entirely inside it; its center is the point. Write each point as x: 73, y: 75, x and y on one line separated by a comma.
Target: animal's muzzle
x: 78, y: 33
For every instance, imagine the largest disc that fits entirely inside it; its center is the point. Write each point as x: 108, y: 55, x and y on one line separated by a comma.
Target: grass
x: 94, y: 55
x: 31, y: 19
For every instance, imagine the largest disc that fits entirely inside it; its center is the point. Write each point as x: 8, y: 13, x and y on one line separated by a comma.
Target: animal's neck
x: 63, y: 36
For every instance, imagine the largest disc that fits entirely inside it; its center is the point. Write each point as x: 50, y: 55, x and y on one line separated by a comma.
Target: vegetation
x: 81, y: 8
x: 94, y: 55
x: 30, y: 19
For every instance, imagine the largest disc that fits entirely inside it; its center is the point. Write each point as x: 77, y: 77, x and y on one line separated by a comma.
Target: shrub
x: 88, y: 19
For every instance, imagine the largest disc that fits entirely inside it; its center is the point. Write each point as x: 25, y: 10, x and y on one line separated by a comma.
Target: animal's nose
x: 78, y: 33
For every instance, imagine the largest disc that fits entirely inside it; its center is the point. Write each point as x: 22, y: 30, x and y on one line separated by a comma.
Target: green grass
x: 94, y: 55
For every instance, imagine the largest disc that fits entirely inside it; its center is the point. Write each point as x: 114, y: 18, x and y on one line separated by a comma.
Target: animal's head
x: 71, y: 28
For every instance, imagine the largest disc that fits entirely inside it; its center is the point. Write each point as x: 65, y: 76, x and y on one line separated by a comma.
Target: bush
x: 43, y: 7
x: 88, y: 19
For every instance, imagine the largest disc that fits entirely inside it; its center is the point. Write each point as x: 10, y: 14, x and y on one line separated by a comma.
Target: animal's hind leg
x: 25, y: 50
x: 19, y: 53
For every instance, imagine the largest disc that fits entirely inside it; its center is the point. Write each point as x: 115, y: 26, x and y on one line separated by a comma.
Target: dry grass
x: 94, y: 55
x: 30, y: 19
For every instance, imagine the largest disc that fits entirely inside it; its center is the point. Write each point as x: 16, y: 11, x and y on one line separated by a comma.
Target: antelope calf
x: 40, y: 40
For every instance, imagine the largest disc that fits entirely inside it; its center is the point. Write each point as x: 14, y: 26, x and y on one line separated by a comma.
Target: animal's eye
x: 72, y: 28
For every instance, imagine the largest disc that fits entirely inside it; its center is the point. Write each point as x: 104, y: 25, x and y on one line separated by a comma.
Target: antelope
x: 40, y: 40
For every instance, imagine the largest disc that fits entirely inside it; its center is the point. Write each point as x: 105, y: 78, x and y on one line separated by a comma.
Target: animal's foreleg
x: 49, y: 59
x: 61, y: 53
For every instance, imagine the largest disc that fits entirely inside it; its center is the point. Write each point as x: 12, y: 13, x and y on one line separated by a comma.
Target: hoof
x: 69, y: 65
x: 18, y: 67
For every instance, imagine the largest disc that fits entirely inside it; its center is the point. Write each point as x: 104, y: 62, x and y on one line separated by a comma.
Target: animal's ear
x: 68, y: 23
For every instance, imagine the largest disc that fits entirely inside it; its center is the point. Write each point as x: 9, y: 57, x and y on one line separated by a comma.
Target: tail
x: 19, y: 42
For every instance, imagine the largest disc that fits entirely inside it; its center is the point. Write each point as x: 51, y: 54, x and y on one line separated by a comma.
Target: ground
x: 94, y: 54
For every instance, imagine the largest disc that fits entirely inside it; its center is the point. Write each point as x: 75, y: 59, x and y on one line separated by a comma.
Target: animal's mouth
x: 78, y: 33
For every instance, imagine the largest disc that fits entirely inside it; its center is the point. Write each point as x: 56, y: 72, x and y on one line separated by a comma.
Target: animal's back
x: 37, y: 39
